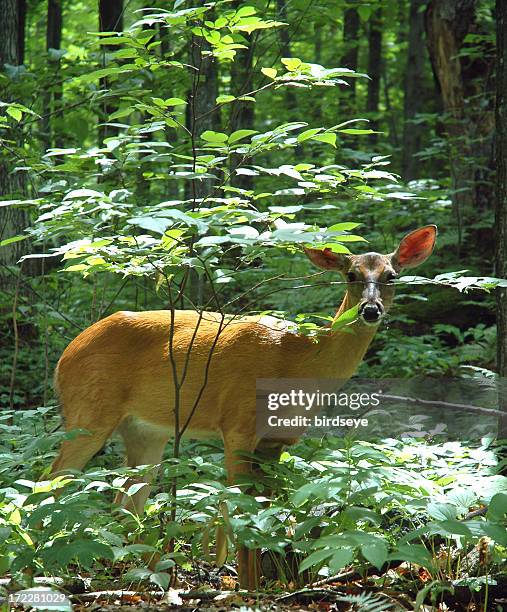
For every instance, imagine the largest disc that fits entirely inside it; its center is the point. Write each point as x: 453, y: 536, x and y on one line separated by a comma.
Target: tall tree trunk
x: 12, y: 221
x: 202, y: 101
x: 320, y: 100
x: 350, y: 60
x: 374, y: 70
x: 447, y: 24
x: 21, y: 30
x: 285, y: 51
x: 110, y: 20
x: 52, y: 100
x: 412, y: 98
x: 242, y: 112
x: 9, y: 34
x: 501, y: 200
x: 201, y: 115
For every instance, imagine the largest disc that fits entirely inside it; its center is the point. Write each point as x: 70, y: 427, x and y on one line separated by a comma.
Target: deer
x: 118, y: 374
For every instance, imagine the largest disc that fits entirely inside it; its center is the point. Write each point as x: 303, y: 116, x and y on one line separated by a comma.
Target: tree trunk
x: 374, y: 70
x: 284, y: 42
x: 9, y: 35
x: 110, y: 20
x: 350, y: 60
x: 242, y: 113
x: 412, y: 98
x: 202, y: 101
x: 21, y: 30
x: 447, y: 24
x: 12, y: 221
x: 501, y: 200
x: 52, y: 100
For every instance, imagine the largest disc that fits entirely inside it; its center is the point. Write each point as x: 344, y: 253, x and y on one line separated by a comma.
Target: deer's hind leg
x: 144, y: 445
x: 248, y: 559
x: 74, y: 454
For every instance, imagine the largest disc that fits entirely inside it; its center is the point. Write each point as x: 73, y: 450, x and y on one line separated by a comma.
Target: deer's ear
x: 327, y: 260
x: 415, y: 248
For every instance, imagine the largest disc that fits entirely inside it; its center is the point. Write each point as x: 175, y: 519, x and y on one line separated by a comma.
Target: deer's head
x: 370, y: 276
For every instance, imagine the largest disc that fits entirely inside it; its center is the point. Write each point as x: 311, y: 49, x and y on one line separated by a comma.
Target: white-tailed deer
x: 118, y: 373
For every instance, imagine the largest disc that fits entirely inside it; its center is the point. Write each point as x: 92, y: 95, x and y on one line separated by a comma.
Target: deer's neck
x: 339, y: 353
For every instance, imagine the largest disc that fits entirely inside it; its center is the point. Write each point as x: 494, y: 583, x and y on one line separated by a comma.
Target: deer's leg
x: 144, y: 445
x: 274, y: 566
x: 248, y: 559
x: 75, y: 454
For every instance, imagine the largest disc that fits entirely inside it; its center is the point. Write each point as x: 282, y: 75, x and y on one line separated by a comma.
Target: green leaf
x: 336, y: 247
x: 215, y: 137
x: 340, y: 558
x: 83, y: 193
x: 122, y: 112
x: 175, y: 101
x: 225, y: 99
x: 162, y: 579
x: 497, y: 506
x: 315, y: 559
x: 328, y: 137
x: 350, y: 238
x: 15, y: 113
x: 246, y: 11
x: 76, y: 268
x: 346, y: 318
x: 357, y: 131
x: 375, y: 553
x: 453, y: 527
x: 413, y: 553
x: 343, y: 227
x: 291, y: 63
x: 441, y: 511
x: 269, y: 72
x: 153, y: 224
x: 12, y: 240
x: 496, y: 532
x: 240, y: 134
x: 307, y: 134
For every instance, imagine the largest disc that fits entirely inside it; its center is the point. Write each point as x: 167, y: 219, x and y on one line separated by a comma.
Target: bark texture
x: 350, y: 57
x: 285, y: 51
x: 242, y: 113
x: 53, y: 95
x: 413, y: 99
x: 374, y: 70
x: 501, y: 195
x: 465, y: 85
x: 110, y: 20
x: 12, y: 221
x: 202, y: 101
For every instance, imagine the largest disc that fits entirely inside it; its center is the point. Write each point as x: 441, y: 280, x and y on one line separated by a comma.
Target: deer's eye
x: 390, y: 276
x: 351, y: 277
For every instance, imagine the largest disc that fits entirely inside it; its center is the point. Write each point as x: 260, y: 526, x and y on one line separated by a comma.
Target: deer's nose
x: 371, y: 312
